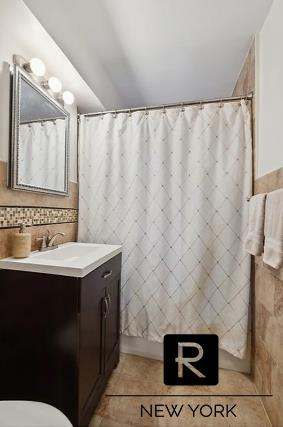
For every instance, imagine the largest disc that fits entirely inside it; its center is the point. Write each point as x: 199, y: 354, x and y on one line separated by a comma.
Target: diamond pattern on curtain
x: 42, y: 147
x: 171, y: 188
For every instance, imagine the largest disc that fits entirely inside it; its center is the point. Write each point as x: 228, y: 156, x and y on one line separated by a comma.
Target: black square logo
x: 191, y: 359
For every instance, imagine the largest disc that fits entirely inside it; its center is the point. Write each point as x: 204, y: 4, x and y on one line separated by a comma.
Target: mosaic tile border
x: 12, y: 216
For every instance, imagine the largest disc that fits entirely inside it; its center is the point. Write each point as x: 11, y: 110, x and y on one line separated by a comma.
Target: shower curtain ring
x: 164, y: 110
x: 182, y: 107
x: 200, y: 106
x: 115, y: 114
x: 221, y: 103
x: 145, y: 111
x: 130, y: 112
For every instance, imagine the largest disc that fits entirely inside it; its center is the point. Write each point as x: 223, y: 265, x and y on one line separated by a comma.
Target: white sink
x: 70, y: 259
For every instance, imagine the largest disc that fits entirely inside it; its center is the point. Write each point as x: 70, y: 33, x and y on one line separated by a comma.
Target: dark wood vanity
x: 60, y: 337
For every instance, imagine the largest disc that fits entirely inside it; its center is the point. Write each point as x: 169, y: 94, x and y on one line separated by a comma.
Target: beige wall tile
x: 246, y: 80
x: 10, y: 197
x: 270, y: 182
x: 257, y: 376
x: 70, y: 230
x: 25, y: 198
x: 264, y: 289
x: 267, y: 291
x: 278, y: 301
x: 268, y: 331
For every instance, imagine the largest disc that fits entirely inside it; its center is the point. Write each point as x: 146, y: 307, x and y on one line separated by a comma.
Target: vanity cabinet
x: 60, y: 337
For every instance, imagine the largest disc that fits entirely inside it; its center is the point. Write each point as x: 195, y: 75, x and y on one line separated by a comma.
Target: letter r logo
x: 191, y: 359
x: 185, y: 361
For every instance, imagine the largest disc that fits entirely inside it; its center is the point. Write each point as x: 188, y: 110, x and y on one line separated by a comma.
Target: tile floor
x: 138, y: 375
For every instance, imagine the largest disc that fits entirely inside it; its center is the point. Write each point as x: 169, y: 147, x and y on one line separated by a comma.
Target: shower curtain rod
x: 51, y: 119
x: 164, y: 106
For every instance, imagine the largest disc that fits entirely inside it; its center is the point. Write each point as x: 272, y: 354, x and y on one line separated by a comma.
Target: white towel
x: 254, y: 240
x: 273, y: 229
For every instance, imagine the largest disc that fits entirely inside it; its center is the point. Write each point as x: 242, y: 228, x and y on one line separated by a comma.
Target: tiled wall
x: 43, y: 212
x: 268, y: 329
x: 246, y: 80
x: 266, y: 294
x: 246, y: 85
x: 12, y: 216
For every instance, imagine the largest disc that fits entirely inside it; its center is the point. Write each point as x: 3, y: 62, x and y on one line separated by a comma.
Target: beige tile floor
x: 138, y: 375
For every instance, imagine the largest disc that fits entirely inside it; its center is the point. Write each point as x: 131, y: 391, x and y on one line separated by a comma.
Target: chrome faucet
x: 48, y: 242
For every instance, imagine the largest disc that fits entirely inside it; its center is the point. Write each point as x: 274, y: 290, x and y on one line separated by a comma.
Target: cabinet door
x: 112, y: 324
x: 92, y: 309
x: 39, y: 340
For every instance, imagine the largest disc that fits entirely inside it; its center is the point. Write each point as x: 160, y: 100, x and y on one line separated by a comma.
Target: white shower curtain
x: 42, y: 147
x: 171, y: 187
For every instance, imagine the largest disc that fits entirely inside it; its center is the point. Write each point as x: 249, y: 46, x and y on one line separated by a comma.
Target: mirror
x: 40, y: 138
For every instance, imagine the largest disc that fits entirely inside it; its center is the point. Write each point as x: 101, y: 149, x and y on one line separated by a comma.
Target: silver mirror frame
x: 17, y: 74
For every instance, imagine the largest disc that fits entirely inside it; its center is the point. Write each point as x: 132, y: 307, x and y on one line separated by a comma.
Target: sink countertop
x: 69, y: 259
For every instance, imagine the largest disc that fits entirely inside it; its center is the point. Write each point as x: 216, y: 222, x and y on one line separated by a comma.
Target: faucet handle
x: 43, y: 240
x: 47, y: 237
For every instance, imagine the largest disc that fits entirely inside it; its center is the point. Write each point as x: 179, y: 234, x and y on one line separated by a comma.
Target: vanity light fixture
x: 37, y: 69
x: 35, y: 66
x: 54, y: 84
x: 68, y: 97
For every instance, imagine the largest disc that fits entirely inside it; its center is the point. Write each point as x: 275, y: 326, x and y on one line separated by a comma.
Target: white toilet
x: 20, y: 413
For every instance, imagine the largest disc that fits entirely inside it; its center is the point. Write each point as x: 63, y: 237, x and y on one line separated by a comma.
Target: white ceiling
x: 145, y: 52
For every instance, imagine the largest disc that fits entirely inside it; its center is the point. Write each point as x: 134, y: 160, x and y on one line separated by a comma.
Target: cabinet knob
x: 106, y: 274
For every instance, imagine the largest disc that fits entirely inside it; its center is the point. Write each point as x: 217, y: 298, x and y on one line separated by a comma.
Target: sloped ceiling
x: 147, y: 52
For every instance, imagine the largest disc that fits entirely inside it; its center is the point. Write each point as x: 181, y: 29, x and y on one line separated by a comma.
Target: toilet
x: 20, y: 413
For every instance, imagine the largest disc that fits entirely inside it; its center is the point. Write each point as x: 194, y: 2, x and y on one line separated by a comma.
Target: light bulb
x: 35, y: 66
x: 68, y: 97
x: 54, y: 84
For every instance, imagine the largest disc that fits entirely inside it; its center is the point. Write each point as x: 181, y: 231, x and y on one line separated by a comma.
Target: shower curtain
x: 42, y: 147
x: 171, y: 186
